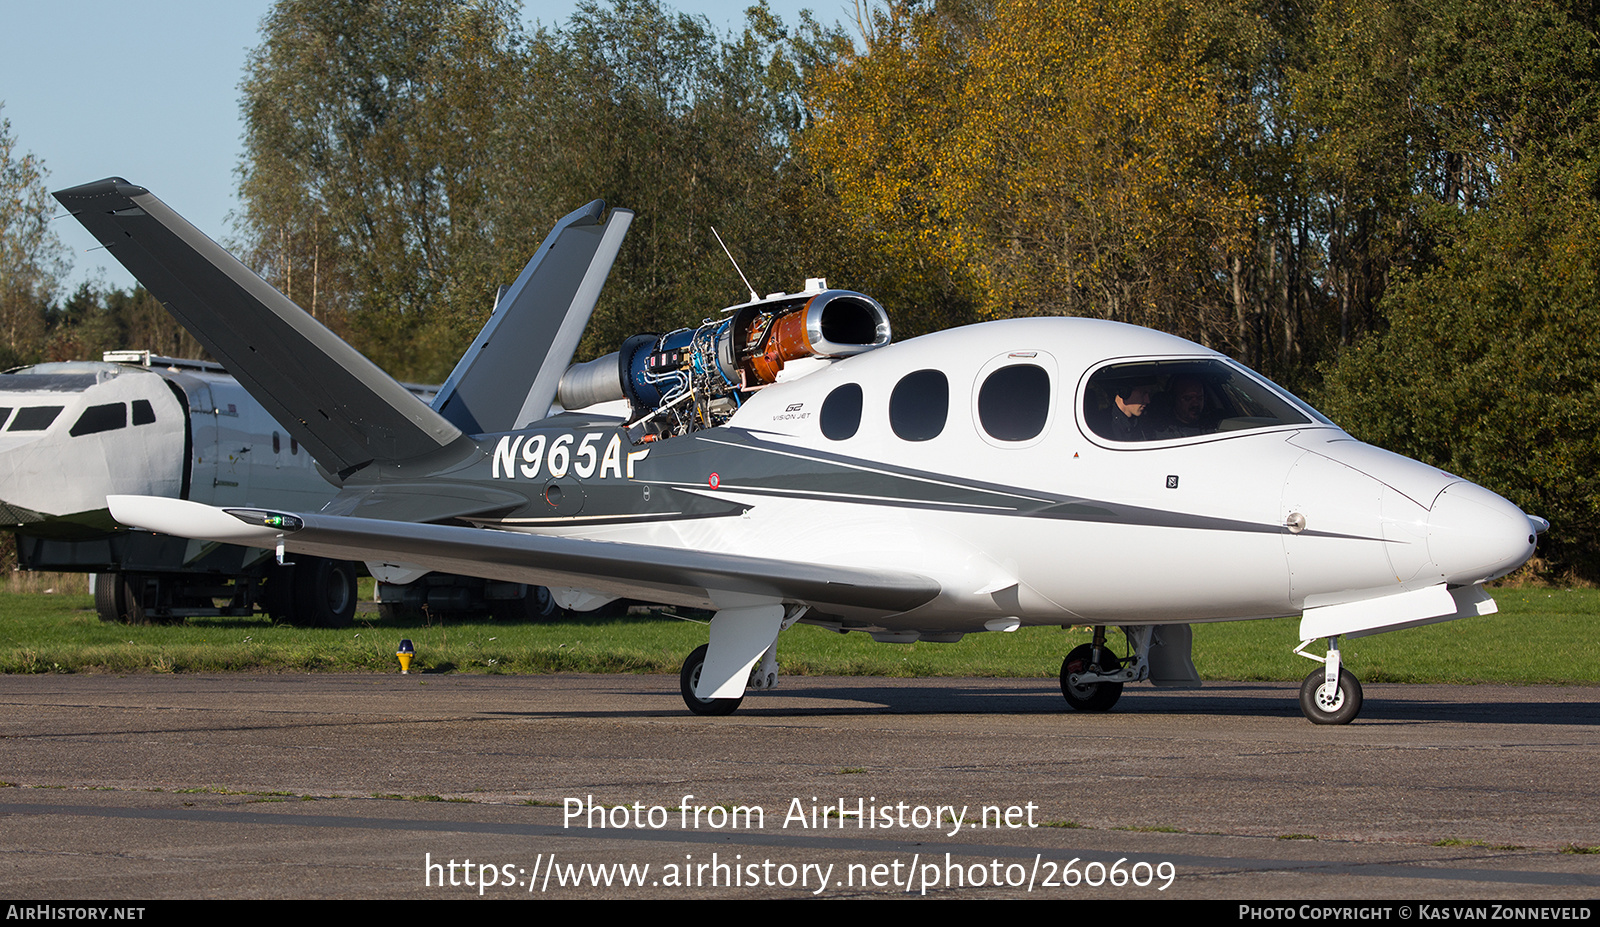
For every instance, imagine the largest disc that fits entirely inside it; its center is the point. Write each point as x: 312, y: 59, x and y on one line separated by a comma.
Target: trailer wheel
x: 325, y: 592
x: 312, y: 592
x: 536, y: 605
x: 115, y: 601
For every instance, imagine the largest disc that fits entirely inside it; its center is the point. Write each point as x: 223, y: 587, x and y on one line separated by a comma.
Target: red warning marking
x: 714, y: 481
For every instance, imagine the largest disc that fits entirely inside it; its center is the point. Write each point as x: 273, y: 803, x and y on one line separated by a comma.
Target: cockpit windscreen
x: 1162, y: 400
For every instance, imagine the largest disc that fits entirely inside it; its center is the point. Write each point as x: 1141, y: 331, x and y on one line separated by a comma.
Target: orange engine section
x: 785, y: 341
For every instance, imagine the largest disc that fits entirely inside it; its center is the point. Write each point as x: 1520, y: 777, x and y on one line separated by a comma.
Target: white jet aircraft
x: 784, y: 462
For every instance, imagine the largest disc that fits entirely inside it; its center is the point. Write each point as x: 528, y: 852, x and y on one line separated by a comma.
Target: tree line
x: 1388, y: 205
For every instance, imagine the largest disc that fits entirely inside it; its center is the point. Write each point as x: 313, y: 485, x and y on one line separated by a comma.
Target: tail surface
x: 344, y: 409
x: 508, y: 377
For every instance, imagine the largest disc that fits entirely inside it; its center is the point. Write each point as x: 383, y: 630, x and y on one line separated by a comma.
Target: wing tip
x: 112, y: 185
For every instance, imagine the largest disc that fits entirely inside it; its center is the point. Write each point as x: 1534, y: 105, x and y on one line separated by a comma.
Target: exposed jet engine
x: 696, y: 378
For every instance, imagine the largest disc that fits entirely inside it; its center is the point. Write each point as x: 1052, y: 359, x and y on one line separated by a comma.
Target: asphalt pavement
x: 578, y: 786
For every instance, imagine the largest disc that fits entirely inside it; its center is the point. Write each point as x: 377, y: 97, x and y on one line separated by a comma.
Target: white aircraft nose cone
x: 1474, y: 535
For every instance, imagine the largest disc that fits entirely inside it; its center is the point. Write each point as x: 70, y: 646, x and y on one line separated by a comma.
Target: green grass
x: 1540, y: 636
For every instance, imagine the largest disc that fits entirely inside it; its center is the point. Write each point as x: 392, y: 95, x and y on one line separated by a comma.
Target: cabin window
x: 1164, y: 400
x: 96, y: 419
x: 276, y: 443
x: 143, y: 412
x: 5, y: 413
x: 34, y: 418
x: 1014, y: 402
x: 919, y: 405
x: 841, y: 412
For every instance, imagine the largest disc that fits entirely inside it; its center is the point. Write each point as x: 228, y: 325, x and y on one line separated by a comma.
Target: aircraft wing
x: 665, y: 574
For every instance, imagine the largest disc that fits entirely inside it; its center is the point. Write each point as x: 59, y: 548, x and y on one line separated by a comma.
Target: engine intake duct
x: 834, y: 323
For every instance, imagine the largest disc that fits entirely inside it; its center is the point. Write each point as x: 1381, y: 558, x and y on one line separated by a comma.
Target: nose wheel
x: 1331, y: 695
x: 1325, y: 704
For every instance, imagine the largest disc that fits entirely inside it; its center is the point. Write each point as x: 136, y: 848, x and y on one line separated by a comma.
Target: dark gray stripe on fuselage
x: 876, y: 483
x: 743, y: 462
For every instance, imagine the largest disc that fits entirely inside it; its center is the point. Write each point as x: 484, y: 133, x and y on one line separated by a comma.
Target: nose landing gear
x: 1331, y: 695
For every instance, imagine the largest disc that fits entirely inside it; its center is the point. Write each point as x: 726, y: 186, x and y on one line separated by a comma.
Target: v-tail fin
x: 340, y: 406
x: 508, y: 378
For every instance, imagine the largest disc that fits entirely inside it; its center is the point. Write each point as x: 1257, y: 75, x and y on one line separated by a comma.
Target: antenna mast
x: 753, y: 296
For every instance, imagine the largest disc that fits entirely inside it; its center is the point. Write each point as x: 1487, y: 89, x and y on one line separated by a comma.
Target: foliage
x: 32, y: 261
x: 1489, y: 367
x: 1248, y: 174
x: 92, y: 321
x: 370, y: 136
x: 34, y: 324
x: 874, y: 155
x: 654, y: 111
x: 405, y: 158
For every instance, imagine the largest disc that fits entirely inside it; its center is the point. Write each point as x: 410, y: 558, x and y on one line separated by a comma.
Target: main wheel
x: 1095, y: 696
x: 1339, y: 706
x: 691, y: 676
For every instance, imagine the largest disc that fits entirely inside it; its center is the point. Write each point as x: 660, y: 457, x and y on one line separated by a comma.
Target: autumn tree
x: 1036, y: 157
x: 882, y: 115
x: 657, y: 112
x: 93, y: 320
x: 404, y: 159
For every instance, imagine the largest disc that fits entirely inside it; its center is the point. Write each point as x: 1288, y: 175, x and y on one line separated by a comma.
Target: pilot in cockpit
x: 1186, y: 413
x: 1129, y: 401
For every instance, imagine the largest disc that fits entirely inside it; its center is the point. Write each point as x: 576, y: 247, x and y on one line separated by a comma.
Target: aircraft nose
x: 1475, y: 535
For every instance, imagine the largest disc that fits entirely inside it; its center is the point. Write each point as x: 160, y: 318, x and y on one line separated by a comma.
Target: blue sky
x: 149, y: 91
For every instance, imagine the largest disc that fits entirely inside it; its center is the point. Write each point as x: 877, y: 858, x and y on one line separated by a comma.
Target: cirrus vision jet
x: 786, y: 462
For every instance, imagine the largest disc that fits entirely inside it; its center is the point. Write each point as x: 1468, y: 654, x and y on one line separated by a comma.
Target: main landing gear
x: 1092, y: 676
x: 1084, y: 660
x: 745, y: 628
x: 689, y: 677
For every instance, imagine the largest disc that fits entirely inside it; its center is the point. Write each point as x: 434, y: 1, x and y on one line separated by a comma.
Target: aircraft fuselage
x: 1048, y: 522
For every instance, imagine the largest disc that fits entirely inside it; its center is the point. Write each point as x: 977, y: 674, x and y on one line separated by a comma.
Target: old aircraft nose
x: 1475, y: 535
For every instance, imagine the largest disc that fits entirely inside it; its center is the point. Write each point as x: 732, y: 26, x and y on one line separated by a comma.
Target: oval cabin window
x: 841, y: 412
x: 919, y: 405
x: 1014, y: 402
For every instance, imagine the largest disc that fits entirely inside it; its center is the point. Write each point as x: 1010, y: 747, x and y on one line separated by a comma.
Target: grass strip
x: 1539, y: 636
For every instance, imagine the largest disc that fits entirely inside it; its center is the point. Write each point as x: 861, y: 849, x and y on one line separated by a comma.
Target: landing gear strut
x: 748, y: 637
